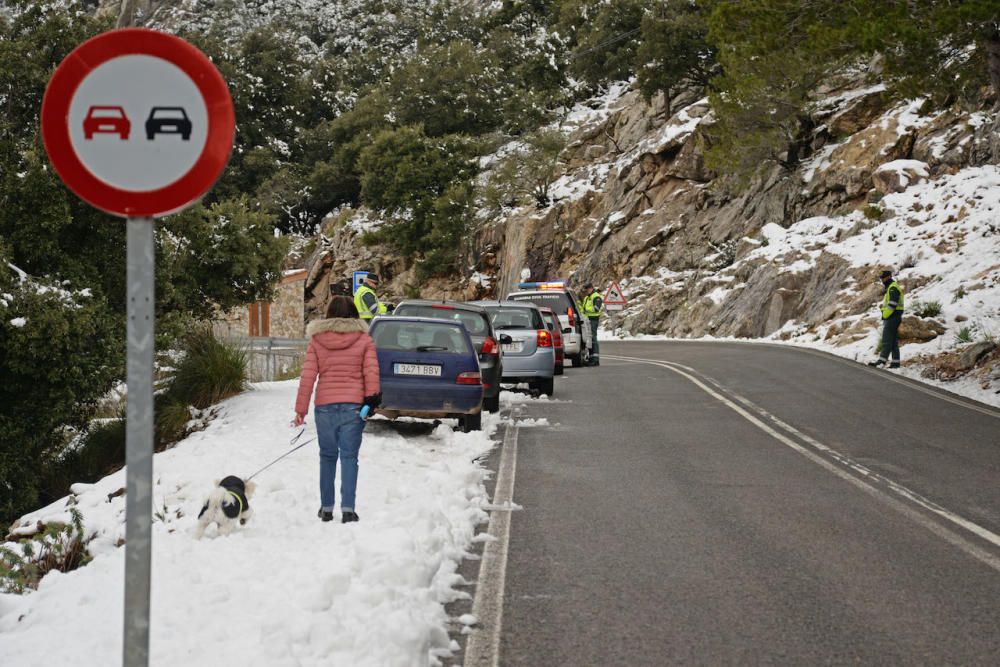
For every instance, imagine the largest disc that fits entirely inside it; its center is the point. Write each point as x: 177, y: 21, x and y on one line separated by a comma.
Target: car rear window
x: 419, y: 337
x: 559, y: 302
x: 475, y: 323
x: 515, y: 318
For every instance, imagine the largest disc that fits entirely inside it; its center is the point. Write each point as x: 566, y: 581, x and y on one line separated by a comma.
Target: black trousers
x: 890, y: 336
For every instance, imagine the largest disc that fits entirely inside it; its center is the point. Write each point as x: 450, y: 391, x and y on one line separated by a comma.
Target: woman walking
x: 341, y: 355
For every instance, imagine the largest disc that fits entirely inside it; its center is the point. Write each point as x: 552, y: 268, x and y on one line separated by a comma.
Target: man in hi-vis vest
x: 892, y: 316
x: 366, y: 301
x: 593, y: 306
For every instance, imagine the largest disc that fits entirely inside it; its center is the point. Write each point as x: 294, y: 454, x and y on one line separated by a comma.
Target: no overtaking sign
x: 139, y: 124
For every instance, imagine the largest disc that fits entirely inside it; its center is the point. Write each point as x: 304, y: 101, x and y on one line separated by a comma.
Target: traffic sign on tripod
x: 139, y: 124
x: 613, y: 297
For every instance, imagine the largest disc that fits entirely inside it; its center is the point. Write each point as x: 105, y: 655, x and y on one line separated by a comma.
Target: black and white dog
x: 227, y: 505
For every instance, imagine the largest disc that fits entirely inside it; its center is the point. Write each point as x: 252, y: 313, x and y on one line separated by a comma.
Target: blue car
x: 428, y: 368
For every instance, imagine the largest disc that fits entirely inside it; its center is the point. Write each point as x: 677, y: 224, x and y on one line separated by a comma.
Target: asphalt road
x: 792, y: 509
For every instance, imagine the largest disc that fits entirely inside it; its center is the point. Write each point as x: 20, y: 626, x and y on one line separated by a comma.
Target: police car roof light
x: 552, y: 284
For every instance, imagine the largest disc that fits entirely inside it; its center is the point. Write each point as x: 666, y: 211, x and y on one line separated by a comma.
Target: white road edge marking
x: 924, y: 388
x: 903, y: 493
x: 482, y: 649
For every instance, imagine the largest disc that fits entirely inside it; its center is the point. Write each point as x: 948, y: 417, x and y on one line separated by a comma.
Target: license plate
x: 417, y: 369
x: 516, y: 346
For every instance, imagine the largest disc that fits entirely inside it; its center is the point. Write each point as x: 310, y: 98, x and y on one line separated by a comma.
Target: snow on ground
x: 286, y: 589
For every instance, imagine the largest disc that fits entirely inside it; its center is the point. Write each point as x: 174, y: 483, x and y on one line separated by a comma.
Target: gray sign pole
x: 139, y: 440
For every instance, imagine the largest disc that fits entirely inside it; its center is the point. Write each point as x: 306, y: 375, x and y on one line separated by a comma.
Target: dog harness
x: 235, y: 507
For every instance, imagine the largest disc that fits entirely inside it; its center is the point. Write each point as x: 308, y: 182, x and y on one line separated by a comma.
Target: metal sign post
x: 139, y: 124
x: 140, y: 257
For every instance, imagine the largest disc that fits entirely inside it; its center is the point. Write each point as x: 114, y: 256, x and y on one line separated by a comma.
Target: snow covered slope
x: 286, y: 589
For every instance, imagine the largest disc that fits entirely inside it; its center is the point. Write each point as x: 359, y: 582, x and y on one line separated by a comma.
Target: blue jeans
x: 339, y: 428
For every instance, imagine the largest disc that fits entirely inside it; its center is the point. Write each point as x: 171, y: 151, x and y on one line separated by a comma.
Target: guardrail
x: 270, y: 358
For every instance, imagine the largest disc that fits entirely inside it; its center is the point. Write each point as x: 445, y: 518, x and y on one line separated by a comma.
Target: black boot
x: 325, y: 516
x: 877, y: 362
x: 894, y: 364
x: 349, y: 517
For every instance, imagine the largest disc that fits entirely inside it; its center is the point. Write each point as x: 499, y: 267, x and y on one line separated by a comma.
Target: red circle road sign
x: 138, y: 122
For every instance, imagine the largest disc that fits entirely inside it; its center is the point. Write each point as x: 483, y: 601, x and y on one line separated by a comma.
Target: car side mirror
x: 567, y: 330
x: 505, y: 339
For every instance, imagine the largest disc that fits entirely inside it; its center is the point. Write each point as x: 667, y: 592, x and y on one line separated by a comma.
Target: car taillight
x: 489, y: 346
x: 544, y: 338
x: 469, y: 377
x: 441, y: 306
x: 572, y: 316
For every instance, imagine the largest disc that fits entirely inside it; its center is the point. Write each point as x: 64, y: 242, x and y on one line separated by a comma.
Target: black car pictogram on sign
x: 168, y: 120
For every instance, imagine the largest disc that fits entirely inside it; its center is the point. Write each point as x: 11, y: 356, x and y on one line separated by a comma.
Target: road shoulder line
x: 483, y: 646
x: 895, y: 495
x: 923, y: 387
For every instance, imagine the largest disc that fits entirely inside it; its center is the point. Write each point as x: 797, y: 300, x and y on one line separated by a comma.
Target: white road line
x: 903, y: 495
x: 930, y: 390
x: 483, y: 646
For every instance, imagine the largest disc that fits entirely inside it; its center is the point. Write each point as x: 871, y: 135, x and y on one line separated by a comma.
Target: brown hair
x: 341, y: 306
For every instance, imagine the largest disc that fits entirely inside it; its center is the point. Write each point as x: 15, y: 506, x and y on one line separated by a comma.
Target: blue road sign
x: 358, y: 277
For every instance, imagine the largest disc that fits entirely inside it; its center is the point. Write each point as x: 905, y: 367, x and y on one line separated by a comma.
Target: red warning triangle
x: 613, y: 296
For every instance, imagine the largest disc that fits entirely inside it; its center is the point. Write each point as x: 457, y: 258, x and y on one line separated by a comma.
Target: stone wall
x: 288, y: 307
x: 283, y: 317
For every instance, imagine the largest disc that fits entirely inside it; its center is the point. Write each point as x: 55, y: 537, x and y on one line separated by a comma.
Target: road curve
x: 716, y: 503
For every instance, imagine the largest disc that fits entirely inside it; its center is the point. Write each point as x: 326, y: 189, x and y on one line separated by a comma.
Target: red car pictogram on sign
x: 106, y: 120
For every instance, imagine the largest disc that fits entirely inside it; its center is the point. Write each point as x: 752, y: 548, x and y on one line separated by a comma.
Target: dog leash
x: 291, y: 442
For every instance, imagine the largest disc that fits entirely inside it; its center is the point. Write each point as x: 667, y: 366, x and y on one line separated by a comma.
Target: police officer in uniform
x: 892, y: 316
x: 592, y: 308
x: 366, y: 301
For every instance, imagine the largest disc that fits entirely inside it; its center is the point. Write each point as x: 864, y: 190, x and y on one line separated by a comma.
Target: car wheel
x: 560, y: 369
x: 546, y: 386
x: 492, y: 404
x: 470, y: 423
x: 577, y: 361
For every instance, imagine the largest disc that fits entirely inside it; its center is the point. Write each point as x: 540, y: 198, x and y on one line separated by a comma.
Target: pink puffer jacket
x: 342, y: 354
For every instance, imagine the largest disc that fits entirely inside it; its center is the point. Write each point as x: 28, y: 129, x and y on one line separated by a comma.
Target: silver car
x: 563, y: 302
x: 530, y: 355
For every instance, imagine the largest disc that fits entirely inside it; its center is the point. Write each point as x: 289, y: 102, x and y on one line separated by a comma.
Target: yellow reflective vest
x: 889, y: 308
x: 590, y: 309
x: 362, y: 307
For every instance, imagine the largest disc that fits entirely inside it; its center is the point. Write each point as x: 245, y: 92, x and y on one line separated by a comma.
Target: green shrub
x: 527, y: 173
x: 99, y: 451
x: 964, y: 335
x: 959, y: 293
x: 211, y: 370
x: 929, y: 309
x: 873, y: 212
x: 59, y: 546
x: 172, y: 417
x: 59, y: 354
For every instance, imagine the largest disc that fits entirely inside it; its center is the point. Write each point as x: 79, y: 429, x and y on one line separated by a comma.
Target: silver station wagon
x: 530, y: 354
